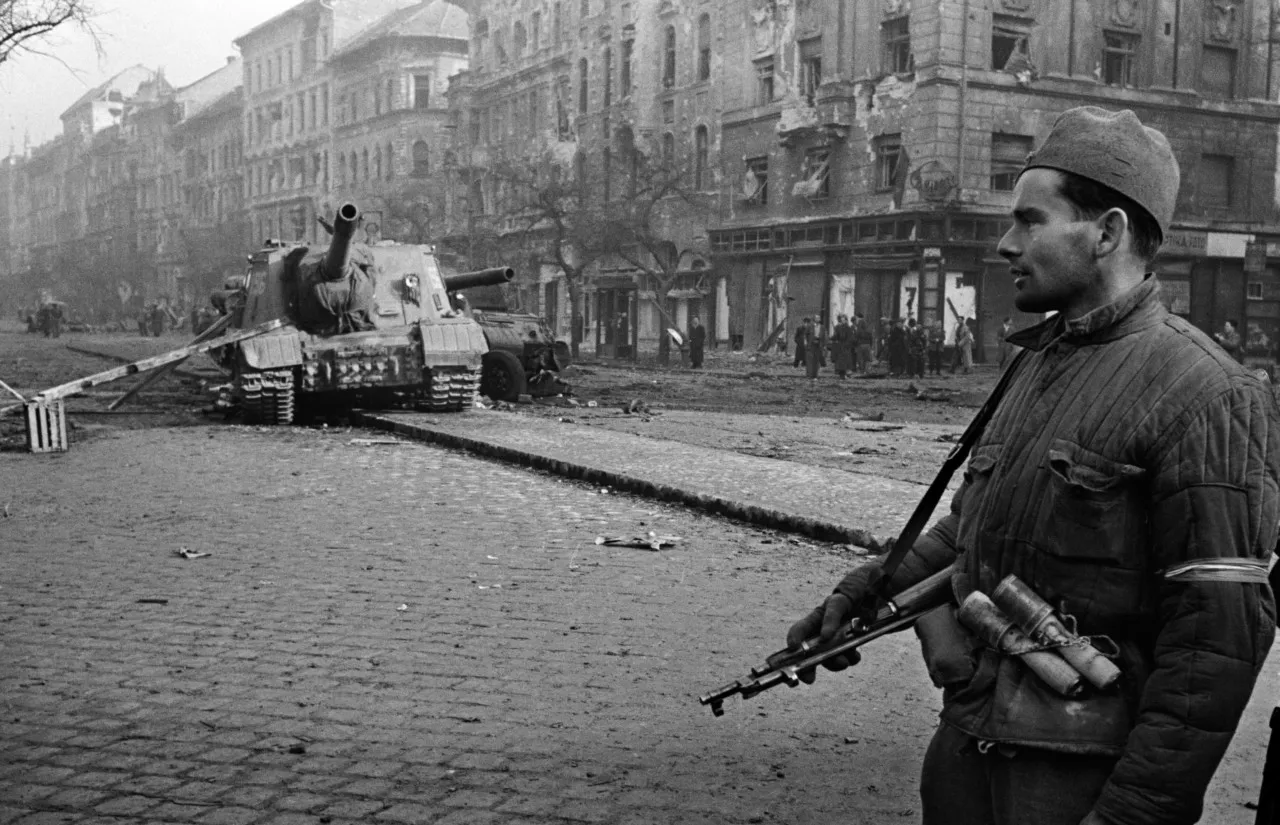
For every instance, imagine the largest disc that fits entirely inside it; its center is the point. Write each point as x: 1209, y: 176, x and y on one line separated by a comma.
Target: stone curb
x: 717, y: 505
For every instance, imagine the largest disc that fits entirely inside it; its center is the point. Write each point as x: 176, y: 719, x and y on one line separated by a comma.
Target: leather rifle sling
x: 957, y: 456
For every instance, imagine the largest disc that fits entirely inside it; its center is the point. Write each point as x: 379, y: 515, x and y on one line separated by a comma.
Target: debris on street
x: 190, y: 554
x: 373, y: 442
x: 651, y: 541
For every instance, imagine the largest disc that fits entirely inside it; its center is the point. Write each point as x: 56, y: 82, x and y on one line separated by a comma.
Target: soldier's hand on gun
x: 834, y: 614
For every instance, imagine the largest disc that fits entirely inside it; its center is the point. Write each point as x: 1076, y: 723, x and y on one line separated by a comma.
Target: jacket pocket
x: 977, y: 482
x: 1094, y: 508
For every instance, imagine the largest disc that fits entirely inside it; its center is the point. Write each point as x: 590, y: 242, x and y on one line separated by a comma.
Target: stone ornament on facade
x: 933, y: 180
x: 1220, y: 20
x: 1125, y: 12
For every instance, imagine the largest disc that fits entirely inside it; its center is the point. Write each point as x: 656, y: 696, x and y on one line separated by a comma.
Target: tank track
x: 449, y: 391
x: 267, y: 396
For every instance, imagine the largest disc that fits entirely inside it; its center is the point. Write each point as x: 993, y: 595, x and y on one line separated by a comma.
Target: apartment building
x: 869, y: 151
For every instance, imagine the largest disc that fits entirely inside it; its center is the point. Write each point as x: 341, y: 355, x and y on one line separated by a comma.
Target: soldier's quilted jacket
x: 1127, y: 443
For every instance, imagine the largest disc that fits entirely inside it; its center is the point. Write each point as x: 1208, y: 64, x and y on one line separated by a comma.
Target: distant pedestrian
x: 964, y: 347
x: 697, y: 342
x: 937, y: 342
x: 801, y: 337
x: 1229, y: 339
x: 917, y: 342
x: 897, y: 348
x: 155, y: 322
x: 863, y: 339
x: 842, y: 356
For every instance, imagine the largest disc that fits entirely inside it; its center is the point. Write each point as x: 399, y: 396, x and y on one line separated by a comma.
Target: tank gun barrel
x: 480, y: 277
x: 344, y: 227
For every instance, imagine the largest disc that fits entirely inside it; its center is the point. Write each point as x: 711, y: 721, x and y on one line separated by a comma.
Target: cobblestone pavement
x: 867, y: 510
x: 398, y: 633
x: 531, y: 676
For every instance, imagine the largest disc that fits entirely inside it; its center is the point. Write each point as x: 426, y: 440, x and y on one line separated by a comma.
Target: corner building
x: 869, y: 148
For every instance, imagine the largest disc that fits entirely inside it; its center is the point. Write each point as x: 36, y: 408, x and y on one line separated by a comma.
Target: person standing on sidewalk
x: 937, y: 338
x: 964, y: 347
x: 863, y: 341
x: 697, y: 342
x: 1006, y: 348
x: 842, y: 358
x: 1105, y: 482
x: 916, y: 345
x: 801, y: 338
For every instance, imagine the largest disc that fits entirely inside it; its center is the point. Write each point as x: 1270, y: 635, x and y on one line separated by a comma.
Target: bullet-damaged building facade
x: 869, y: 151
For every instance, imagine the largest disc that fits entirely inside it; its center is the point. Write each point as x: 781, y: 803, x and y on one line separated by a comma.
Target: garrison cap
x: 1117, y: 151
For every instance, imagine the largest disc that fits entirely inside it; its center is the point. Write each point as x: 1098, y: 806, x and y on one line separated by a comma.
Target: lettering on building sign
x: 1188, y: 243
x: 933, y: 180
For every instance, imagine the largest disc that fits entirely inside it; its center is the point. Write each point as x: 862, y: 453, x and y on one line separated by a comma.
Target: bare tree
x: 26, y: 23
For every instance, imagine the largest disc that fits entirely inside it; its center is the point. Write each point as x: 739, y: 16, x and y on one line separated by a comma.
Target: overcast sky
x: 187, y: 38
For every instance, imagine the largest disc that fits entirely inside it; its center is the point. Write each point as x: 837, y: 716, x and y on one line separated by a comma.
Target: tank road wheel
x: 502, y: 376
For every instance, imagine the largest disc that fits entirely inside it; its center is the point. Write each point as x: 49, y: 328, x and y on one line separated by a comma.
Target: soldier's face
x: 1050, y: 249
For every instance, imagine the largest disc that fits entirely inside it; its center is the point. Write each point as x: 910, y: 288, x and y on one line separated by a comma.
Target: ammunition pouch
x: 949, y: 649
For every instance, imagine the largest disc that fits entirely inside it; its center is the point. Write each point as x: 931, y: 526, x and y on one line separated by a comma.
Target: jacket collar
x: 1134, y: 310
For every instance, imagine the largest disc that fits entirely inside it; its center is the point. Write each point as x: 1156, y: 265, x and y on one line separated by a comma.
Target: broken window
x: 563, y: 130
x: 895, y: 41
x: 421, y: 91
x: 669, y: 58
x: 700, y: 150
x: 1213, y: 181
x: 1218, y: 72
x: 755, y: 184
x: 810, y: 68
x: 1008, y: 156
x: 704, y: 47
x: 815, y: 172
x: 1118, y: 52
x: 1009, y: 36
x: 764, y: 81
x: 582, y: 85
x: 624, y: 68
x: 888, y: 160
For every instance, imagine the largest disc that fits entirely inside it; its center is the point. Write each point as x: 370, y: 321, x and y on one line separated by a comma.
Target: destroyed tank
x: 524, y: 356
x: 366, y: 324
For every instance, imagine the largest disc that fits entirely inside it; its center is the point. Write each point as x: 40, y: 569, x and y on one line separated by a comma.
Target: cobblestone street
x: 404, y: 634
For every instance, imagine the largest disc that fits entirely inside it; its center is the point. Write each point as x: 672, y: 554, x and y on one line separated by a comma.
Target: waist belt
x: 1245, y: 571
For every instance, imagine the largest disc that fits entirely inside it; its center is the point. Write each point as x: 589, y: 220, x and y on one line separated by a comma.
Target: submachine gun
x: 784, y: 666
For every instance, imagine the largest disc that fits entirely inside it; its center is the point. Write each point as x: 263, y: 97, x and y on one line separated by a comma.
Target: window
x: 669, y: 57
x: 556, y: 24
x: 582, y: 86
x: 755, y: 185
x: 535, y: 30
x: 533, y: 111
x: 704, y: 47
x: 624, y: 68
x: 668, y: 111
x: 810, y: 68
x: 764, y: 81
x: 815, y: 173
x: 421, y: 164
x: 700, y: 177
x: 895, y: 42
x: 562, y: 109
x: 1118, y: 51
x: 1008, y: 156
x: 1009, y: 42
x: 606, y: 165
x: 519, y: 39
x: 377, y: 163
x: 888, y: 158
x: 391, y: 162
x: 499, y: 47
x: 1213, y: 181
x: 668, y: 150
x: 1253, y: 291
x: 1218, y: 72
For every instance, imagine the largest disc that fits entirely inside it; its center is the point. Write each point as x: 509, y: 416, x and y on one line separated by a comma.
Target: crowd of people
x: 905, y: 346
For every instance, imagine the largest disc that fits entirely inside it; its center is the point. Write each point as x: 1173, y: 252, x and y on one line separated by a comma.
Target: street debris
x: 650, y: 541
x: 372, y: 442
x: 635, y: 406
x: 592, y: 404
x: 862, y: 416
x: 402, y: 608
x: 153, y: 601
x: 190, y: 554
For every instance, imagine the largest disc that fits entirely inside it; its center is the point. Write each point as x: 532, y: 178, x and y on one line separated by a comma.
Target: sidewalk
x: 819, y: 502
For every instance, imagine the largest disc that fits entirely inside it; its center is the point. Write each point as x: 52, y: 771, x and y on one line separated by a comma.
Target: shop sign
x: 1226, y: 244
x: 1255, y: 256
x: 932, y: 252
x: 933, y: 180
x: 1186, y: 242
